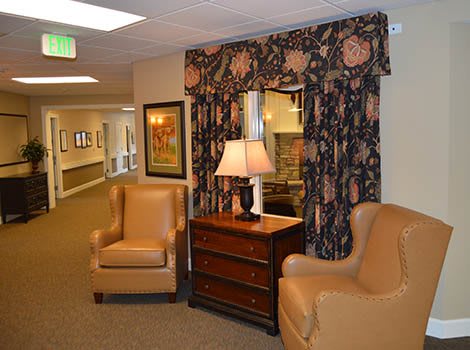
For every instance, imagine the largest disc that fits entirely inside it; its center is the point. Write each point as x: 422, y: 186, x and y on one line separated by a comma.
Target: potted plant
x: 33, y: 151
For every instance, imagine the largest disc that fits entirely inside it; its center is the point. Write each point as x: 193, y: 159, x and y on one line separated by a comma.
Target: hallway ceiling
x: 171, y: 26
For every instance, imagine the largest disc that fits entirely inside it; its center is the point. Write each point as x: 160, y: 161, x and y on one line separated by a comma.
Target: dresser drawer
x: 240, y: 271
x: 242, y: 296
x: 243, y: 246
x: 36, y: 184
x: 37, y: 201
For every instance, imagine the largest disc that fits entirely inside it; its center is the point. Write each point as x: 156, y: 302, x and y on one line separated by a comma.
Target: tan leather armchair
x: 146, y: 248
x: 379, y: 297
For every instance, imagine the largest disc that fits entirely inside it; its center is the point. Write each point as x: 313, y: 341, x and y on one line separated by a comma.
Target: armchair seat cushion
x: 297, y: 294
x: 134, y: 252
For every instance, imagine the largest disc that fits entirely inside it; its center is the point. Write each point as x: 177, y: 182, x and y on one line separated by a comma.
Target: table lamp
x: 244, y: 158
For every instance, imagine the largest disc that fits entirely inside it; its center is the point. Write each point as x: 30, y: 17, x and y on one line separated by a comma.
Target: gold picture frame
x: 164, y: 139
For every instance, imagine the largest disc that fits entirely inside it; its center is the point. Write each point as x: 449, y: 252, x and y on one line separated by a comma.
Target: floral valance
x: 338, y: 50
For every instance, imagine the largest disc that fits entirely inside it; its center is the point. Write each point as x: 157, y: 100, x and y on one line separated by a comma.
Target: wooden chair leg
x: 98, y: 298
x: 172, y: 298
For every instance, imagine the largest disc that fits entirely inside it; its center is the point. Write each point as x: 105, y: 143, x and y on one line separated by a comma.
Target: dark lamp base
x: 247, y: 216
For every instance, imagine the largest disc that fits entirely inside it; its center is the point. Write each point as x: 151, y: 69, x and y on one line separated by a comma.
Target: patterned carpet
x: 46, y: 301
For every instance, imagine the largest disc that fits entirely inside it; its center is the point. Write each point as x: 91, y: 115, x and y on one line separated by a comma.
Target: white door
x: 119, y: 148
x: 107, y: 152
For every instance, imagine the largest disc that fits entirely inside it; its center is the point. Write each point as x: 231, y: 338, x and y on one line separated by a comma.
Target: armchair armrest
x: 391, y: 322
x: 177, y: 253
x: 301, y: 265
x: 100, y: 239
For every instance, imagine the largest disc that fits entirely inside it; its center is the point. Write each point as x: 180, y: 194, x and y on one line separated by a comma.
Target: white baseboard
x: 82, y: 187
x: 445, y: 329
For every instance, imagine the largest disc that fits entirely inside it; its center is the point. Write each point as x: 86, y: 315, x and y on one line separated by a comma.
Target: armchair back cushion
x: 149, y: 211
x: 381, y: 269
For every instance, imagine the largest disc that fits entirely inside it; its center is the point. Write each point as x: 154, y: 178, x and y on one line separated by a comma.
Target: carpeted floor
x: 46, y: 302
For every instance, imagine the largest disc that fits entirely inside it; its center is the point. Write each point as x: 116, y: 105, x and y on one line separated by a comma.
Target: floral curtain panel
x: 342, y: 160
x: 214, y: 119
x: 339, y: 50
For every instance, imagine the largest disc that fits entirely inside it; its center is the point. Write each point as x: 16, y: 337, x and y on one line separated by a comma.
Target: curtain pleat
x: 342, y: 160
x: 214, y: 119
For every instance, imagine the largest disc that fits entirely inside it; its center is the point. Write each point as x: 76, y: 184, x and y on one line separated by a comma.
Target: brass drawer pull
x: 253, y: 274
x: 204, y: 239
x: 253, y: 301
x: 206, y: 262
x: 206, y: 286
x: 252, y: 249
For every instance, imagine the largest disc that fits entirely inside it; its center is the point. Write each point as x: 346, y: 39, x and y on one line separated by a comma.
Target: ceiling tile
x: 161, y: 50
x: 10, y: 23
x: 365, y: 6
x: 158, y: 31
x: 89, y: 52
x: 119, y: 42
x: 19, y: 42
x: 207, y: 17
x: 269, y: 8
x: 37, y: 29
x: 202, y: 39
x: 310, y: 17
x: 145, y: 8
x: 126, y: 57
x: 103, y: 67
x: 251, y: 30
x: 34, y: 70
x: 14, y: 56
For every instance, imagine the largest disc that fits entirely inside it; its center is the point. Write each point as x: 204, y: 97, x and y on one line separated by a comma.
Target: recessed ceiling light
x: 128, y: 109
x: 70, y: 12
x: 56, y: 80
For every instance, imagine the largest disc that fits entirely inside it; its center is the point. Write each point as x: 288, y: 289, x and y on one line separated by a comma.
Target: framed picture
x: 89, y: 140
x: 83, y: 133
x: 99, y: 139
x: 78, y: 139
x: 164, y: 139
x: 64, y: 147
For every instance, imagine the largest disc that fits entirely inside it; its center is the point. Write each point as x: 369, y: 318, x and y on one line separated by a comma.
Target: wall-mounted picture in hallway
x: 64, y: 147
x: 89, y: 141
x: 83, y: 139
x: 78, y: 139
x: 99, y: 139
x: 164, y: 139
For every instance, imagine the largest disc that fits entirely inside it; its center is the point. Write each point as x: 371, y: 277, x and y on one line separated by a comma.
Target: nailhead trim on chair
x: 400, y: 291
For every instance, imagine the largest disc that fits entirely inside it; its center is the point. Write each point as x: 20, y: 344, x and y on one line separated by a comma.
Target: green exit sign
x: 58, y: 46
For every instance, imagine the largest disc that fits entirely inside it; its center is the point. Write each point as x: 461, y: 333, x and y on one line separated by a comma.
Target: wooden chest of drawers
x: 236, y: 264
x: 23, y: 193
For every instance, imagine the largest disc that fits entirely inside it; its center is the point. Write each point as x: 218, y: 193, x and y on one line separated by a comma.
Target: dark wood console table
x: 23, y: 193
x: 236, y: 264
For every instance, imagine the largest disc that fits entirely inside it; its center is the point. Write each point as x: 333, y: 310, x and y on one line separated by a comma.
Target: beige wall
x: 77, y: 120
x: 37, y: 102
x: 424, y: 148
x: 161, y: 80
x: 15, y: 104
x: 78, y: 176
x: 455, y: 301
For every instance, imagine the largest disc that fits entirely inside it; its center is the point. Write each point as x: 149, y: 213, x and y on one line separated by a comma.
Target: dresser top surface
x: 266, y: 226
x: 24, y: 175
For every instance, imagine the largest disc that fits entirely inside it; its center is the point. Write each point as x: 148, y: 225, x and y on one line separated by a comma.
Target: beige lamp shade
x: 244, y: 158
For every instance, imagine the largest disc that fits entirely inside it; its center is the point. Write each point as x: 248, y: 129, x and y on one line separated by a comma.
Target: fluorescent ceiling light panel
x: 70, y: 12
x: 128, y: 109
x: 56, y: 80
